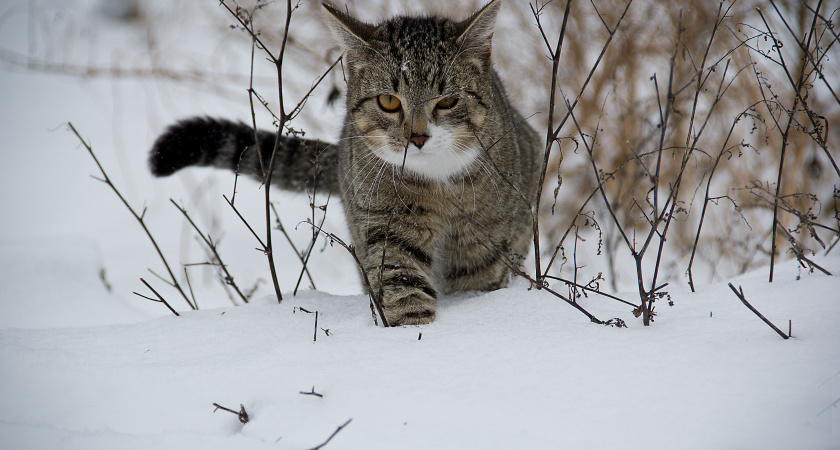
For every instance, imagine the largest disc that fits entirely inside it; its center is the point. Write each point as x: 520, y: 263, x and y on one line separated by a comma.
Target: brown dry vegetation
x: 622, y: 102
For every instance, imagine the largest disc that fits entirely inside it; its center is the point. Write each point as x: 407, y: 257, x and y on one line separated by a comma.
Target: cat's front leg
x: 398, y: 262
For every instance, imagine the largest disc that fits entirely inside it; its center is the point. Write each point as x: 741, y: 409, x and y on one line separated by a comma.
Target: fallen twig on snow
x: 332, y: 435
x: 740, y: 293
x: 312, y: 393
x: 243, y: 416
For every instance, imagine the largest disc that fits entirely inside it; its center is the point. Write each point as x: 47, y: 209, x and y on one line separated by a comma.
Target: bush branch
x: 159, y: 299
x: 228, y: 278
x: 139, y: 217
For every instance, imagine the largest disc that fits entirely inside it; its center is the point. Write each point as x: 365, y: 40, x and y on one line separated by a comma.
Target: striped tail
x: 300, y: 164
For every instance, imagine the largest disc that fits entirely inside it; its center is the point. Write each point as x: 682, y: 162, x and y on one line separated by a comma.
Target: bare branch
x: 159, y: 299
x: 138, y: 217
x: 228, y: 278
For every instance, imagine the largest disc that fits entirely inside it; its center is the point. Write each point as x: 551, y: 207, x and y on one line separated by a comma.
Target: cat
x: 435, y: 169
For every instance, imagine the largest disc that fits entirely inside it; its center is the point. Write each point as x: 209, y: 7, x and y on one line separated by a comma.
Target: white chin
x: 438, y: 160
x: 433, y: 164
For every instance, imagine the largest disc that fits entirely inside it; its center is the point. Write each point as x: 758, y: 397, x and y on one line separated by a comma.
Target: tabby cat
x: 435, y: 168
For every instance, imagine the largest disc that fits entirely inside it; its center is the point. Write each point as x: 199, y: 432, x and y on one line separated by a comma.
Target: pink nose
x: 419, y: 140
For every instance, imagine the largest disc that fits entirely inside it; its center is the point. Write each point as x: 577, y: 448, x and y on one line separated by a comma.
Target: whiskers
x: 454, y: 161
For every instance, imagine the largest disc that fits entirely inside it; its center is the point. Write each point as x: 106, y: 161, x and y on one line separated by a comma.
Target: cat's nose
x: 419, y: 139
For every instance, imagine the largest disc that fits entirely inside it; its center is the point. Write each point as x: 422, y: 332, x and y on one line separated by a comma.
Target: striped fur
x: 436, y: 170
x: 203, y: 141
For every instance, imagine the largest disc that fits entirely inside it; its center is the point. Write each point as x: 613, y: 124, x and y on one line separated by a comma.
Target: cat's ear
x: 347, y: 31
x: 476, y: 33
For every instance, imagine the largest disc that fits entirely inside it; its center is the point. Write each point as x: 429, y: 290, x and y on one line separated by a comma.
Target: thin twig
x: 296, y: 110
x: 228, y: 278
x: 159, y: 299
x: 139, y: 217
x: 740, y: 293
x: 292, y: 244
x: 568, y: 230
x: 375, y: 302
x: 341, y: 427
x: 804, y: 46
x: 797, y: 87
x: 311, y: 246
x: 245, y: 26
x: 254, y: 233
x: 551, y: 137
x: 268, y: 171
x: 707, y: 198
x: 241, y: 414
x: 592, y: 71
x: 594, y: 291
x: 516, y: 270
x: 312, y: 393
x: 798, y: 251
x: 189, y: 285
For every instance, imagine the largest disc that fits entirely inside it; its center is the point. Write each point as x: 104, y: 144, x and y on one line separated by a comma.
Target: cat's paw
x: 415, y: 309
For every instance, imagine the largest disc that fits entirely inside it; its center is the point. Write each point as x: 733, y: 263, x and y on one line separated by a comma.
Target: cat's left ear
x: 476, y: 33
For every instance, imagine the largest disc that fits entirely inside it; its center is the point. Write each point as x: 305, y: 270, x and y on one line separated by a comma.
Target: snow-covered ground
x: 508, y: 369
x: 85, y: 364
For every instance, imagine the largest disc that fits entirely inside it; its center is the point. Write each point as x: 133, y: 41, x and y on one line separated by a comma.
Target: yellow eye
x: 389, y: 103
x: 447, y: 103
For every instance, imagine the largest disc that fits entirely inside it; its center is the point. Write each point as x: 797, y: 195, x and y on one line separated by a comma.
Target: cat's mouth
x: 410, y: 155
x: 415, y: 152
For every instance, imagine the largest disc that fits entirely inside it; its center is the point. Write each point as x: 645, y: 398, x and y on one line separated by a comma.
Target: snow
x: 85, y: 367
x: 542, y: 376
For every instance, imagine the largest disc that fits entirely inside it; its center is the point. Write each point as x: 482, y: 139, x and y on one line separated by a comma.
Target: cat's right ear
x: 348, y: 32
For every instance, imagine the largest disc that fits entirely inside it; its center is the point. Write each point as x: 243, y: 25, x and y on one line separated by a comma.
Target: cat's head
x: 419, y: 89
